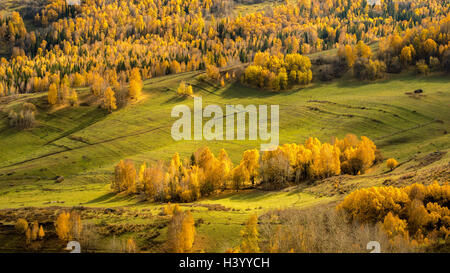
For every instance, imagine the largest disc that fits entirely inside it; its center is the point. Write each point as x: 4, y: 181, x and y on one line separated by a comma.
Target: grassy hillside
x: 83, y: 144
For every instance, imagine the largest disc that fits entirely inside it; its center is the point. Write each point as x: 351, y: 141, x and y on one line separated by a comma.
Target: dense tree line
x: 157, y: 37
x: 205, y: 174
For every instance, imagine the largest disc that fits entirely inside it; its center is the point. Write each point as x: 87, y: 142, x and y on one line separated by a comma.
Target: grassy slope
x: 83, y: 144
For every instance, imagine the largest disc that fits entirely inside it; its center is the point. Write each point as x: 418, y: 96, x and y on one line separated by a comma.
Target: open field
x: 83, y: 144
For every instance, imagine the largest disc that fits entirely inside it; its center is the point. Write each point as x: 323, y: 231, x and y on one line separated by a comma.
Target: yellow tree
x: 394, y: 226
x: 109, y: 100
x: 76, y: 226
x: 63, y: 226
x: 224, y: 169
x: 52, y: 94
x: 41, y: 233
x: 34, y: 231
x: 135, y: 88
x: 391, y: 163
x: 130, y: 246
x: 406, y: 54
x: 181, y: 232
x: 250, y: 160
x: 73, y: 98
x: 250, y: 236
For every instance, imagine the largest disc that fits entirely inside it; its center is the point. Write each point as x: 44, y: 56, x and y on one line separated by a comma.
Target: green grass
x: 84, y: 143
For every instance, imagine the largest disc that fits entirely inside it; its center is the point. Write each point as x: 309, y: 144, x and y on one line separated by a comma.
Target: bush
x: 21, y: 225
x: 391, y: 163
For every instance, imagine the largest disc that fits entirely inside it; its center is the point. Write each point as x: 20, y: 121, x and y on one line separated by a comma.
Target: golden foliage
x: 391, y: 163
x: 206, y: 174
x: 185, y: 89
x: 109, y: 100
x: 53, y: 94
x: 21, y: 225
x: 125, y: 177
x: 181, y: 232
x: 63, y: 226
x: 68, y: 226
x: 278, y: 72
x: 250, y: 236
x: 418, y: 210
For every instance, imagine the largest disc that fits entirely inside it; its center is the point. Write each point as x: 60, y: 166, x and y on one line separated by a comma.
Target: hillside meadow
x: 83, y: 144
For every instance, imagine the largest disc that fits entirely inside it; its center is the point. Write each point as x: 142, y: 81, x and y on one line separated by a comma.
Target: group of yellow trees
x: 109, y: 91
x: 68, y: 226
x: 185, y: 182
x: 205, y: 174
x: 292, y: 163
x: 60, y: 92
x: 428, y: 48
x: 185, y: 89
x: 417, y: 213
x: 12, y: 27
x: 359, y: 58
x: 113, y: 93
x: 32, y: 232
x: 278, y: 72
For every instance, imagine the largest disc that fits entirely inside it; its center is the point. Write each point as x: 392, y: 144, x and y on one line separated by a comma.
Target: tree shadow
x: 110, y: 198
x: 175, y: 99
x: 237, y: 91
x: 252, y: 195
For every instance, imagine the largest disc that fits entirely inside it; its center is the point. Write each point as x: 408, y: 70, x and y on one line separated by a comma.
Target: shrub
x: 391, y: 163
x: 185, y: 89
x: 21, y: 225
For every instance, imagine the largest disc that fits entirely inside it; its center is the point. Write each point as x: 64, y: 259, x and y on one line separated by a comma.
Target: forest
x: 85, y: 97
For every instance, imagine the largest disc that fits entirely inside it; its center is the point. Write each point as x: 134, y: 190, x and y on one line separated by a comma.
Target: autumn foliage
x: 205, y: 174
x: 250, y: 236
x: 391, y: 163
x: 181, y: 232
x: 278, y: 72
x: 68, y: 226
x: 417, y: 212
